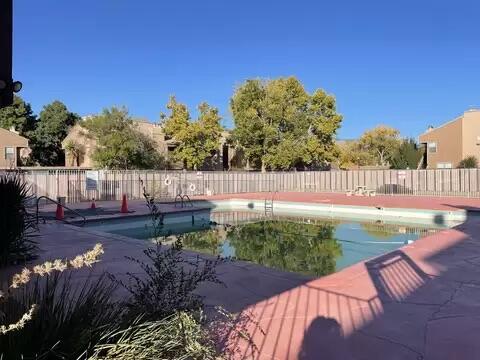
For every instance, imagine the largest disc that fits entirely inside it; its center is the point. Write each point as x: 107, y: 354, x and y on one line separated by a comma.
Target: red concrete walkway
x: 388, y: 201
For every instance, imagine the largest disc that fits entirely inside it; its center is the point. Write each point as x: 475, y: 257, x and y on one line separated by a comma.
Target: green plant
x: 17, y: 225
x: 75, y: 150
x: 407, y: 155
x: 170, y: 277
x: 169, y: 282
x: 280, y: 126
x: 470, y: 162
x: 179, y: 336
x: 120, y: 144
x: 69, y: 316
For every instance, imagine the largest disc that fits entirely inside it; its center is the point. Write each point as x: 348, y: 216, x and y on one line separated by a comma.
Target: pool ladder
x: 269, y: 205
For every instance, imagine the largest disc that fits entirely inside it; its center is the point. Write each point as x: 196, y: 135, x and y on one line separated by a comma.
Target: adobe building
x: 85, y: 146
x: 447, y: 144
x: 13, y: 149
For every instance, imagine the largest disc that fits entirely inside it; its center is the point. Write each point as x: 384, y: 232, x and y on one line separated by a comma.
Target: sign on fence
x: 91, y: 182
x: 115, y: 183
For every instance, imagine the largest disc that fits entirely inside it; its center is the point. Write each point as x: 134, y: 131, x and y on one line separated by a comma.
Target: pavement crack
x: 469, y: 261
x: 433, y: 316
x: 419, y: 355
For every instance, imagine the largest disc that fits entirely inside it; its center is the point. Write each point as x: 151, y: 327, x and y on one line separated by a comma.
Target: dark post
x: 6, y: 32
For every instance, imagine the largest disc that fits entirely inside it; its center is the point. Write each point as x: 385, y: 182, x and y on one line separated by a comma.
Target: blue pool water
x: 312, y: 246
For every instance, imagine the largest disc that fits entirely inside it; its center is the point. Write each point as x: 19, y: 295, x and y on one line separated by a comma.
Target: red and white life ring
x: 192, y: 187
x: 168, y: 181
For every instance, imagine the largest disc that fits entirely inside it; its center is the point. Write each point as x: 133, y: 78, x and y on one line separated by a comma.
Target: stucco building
x: 13, y: 149
x: 447, y: 144
x: 165, y: 146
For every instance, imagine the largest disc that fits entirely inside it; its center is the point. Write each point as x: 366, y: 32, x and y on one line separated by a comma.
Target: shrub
x: 169, y: 278
x: 17, y: 225
x: 168, y: 282
x: 470, y: 162
x: 407, y: 155
x: 64, y: 316
x: 179, y: 336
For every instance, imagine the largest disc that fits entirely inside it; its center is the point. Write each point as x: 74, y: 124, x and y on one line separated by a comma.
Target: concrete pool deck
x: 421, y: 301
x: 387, y: 201
x: 440, y: 210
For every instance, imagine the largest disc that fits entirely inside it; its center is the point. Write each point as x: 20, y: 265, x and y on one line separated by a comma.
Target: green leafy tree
x: 119, y: 144
x: 20, y: 116
x: 197, y: 140
x: 407, y: 155
x: 278, y: 125
x: 470, y: 162
x: 381, y: 142
x: 55, y: 121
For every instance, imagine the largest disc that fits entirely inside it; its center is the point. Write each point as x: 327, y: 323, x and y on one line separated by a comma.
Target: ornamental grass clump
x: 47, y: 314
x: 178, y: 336
x: 17, y: 224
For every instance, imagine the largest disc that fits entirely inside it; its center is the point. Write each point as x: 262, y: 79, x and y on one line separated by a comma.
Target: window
x: 444, y: 165
x: 9, y: 153
x: 432, y: 147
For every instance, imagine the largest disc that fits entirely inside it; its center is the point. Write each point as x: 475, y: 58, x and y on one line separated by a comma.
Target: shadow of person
x: 324, y: 340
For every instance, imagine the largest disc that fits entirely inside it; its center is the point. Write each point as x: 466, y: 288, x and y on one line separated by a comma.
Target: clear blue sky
x: 404, y: 63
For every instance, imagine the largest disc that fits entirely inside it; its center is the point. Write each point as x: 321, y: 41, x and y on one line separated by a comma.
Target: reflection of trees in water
x: 386, y: 231
x: 297, y: 247
x: 206, y: 241
x: 379, y: 230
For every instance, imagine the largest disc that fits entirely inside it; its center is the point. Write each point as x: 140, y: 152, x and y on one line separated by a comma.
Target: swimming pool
x: 302, y: 244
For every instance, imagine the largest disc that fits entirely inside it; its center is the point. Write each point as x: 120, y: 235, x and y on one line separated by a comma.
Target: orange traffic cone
x: 124, y: 208
x: 93, y: 206
x: 59, y: 215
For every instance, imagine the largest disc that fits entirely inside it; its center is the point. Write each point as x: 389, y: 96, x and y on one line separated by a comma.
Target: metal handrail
x: 58, y: 203
x: 183, y: 200
x: 188, y: 199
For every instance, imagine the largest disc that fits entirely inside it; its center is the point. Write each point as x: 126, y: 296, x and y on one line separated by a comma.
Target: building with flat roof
x: 447, y: 144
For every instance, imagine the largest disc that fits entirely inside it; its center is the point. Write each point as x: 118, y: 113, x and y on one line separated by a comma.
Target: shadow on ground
x: 418, y: 302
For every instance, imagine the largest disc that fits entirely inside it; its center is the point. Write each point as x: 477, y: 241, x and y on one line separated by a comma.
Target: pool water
x: 311, y: 246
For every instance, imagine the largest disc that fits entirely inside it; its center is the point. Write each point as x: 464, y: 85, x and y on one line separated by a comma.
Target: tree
x: 381, y: 142
x: 407, y: 155
x: 278, y: 125
x: 119, y: 144
x: 55, y: 121
x: 75, y: 150
x: 197, y: 140
x: 352, y: 155
x: 470, y: 162
x: 20, y: 116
